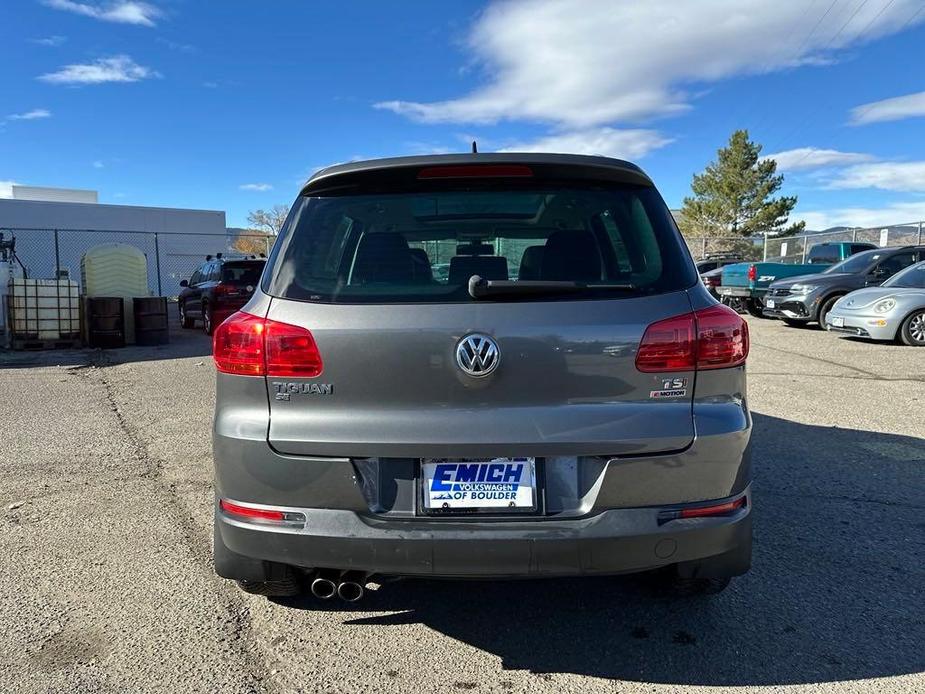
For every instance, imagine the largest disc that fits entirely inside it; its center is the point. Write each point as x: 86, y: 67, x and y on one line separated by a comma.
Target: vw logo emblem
x: 477, y: 355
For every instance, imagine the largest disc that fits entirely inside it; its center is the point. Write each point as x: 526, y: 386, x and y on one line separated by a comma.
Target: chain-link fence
x: 171, y: 257
x: 794, y: 249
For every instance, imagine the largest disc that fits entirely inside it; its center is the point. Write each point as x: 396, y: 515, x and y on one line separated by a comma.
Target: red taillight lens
x: 291, y: 351
x: 253, y: 346
x: 477, y: 171
x: 668, y: 345
x: 752, y: 273
x: 238, y: 345
x: 712, y: 338
x: 722, y: 338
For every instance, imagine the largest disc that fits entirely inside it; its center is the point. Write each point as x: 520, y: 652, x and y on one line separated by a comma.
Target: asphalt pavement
x: 106, y: 581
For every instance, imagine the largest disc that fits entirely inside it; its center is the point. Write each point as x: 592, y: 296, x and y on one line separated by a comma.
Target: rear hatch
x: 575, y: 262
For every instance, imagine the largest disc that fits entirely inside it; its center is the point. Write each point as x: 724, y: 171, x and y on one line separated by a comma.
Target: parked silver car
x: 893, y: 311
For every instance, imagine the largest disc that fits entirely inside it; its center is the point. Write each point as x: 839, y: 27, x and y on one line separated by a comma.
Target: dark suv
x: 803, y: 299
x: 566, y: 399
x: 218, y: 288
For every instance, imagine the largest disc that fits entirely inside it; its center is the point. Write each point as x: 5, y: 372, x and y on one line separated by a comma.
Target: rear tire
x: 287, y: 587
x: 207, y: 319
x: 912, y: 332
x: 185, y: 322
x: 755, y: 308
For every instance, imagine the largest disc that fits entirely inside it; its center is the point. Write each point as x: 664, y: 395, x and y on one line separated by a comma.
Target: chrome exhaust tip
x: 323, y: 588
x: 350, y: 591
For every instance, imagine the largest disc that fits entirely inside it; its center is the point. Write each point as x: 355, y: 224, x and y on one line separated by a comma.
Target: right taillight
x: 752, y: 273
x: 711, y: 338
x: 248, y: 345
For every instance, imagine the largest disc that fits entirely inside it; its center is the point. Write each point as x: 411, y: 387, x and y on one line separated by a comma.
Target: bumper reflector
x: 259, y: 515
x: 725, y: 509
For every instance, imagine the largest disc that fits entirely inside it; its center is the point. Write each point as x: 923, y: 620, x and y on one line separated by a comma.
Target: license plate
x: 837, y: 321
x: 769, y: 303
x: 495, y: 485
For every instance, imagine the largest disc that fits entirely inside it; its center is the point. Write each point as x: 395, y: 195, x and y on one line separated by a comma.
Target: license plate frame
x: 769, y: 303
x: 426, y: 507
x: 837, y: 321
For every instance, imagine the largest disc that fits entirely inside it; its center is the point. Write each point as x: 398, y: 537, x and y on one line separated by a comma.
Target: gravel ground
x: 106, y: 581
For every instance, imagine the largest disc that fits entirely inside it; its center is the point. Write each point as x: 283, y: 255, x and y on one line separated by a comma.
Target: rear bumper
x: 739, y: 291
x: 611, y: 542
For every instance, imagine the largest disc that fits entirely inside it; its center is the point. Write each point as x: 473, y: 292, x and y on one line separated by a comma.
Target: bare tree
x: 269, y: 221
x: 252, y: 242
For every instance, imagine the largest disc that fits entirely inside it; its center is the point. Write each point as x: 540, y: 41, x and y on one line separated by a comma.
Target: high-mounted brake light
x: 477, y: 171
x: 711, y: 338
x: 252, y: 346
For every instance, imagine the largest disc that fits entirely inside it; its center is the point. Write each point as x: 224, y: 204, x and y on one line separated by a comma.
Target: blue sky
x: 230, y: 105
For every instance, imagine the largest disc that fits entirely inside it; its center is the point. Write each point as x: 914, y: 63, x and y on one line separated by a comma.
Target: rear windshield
x: 424, y: 246
x: 242, y: 273
x: 824, y: 254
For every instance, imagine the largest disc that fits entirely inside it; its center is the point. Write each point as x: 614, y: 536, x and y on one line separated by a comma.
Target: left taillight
x: 249, y: 345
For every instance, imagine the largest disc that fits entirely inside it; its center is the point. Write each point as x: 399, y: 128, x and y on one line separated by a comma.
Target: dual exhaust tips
x: 349, y: 586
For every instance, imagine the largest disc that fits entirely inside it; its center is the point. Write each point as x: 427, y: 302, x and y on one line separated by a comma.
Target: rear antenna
x: 475, y: 147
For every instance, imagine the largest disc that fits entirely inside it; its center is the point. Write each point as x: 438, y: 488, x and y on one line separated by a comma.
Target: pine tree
x: 733, y: 196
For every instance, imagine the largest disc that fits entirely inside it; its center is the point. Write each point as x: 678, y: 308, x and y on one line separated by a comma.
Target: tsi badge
x: 671, y: 388
x: 285, y: 391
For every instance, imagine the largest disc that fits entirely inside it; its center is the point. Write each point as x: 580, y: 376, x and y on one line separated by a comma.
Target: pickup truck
x: 750, y: 281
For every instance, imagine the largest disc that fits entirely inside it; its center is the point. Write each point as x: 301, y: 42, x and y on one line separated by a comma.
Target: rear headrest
x: 489, y: 267
x: 420, y: 261
x: 382, y: 257
x: 571, y: 256
x: 475, y: 249
x: 531, y: 263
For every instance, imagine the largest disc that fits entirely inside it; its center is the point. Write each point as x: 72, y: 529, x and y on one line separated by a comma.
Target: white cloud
x: 51, y: 41
x: 897, y: 108
x: 259, y: 187
x: 906, y: 176
x: 865, y: 217
x: 123, y: 12
x: 609, y: 142
x: 98, y: 164
x: 34, y: 114
x: 6, y: 188
x: 816, y: 158
x: 118, y: 68
x: 601, y: 62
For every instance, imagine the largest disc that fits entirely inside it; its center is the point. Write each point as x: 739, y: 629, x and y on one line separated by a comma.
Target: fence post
x: 157, y: 262
x: 765, y: 256
x: 57, y: 256
x: 803, y: 254
x: 920, y: 235
x: 854, y: 234
x: 703, y: 247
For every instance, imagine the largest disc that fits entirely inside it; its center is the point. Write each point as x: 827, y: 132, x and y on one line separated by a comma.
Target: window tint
x: 890, y: 266
x: 242, y: 273
x: 911, y: 277
x: 824, y: 254
x: 425, y: 246
x: 856, y: 263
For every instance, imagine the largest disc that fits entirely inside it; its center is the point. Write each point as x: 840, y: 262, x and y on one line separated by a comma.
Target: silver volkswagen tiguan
x: 477, y: 366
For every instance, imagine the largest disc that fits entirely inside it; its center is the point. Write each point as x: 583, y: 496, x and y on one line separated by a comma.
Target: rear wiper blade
x: 480, y: 288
